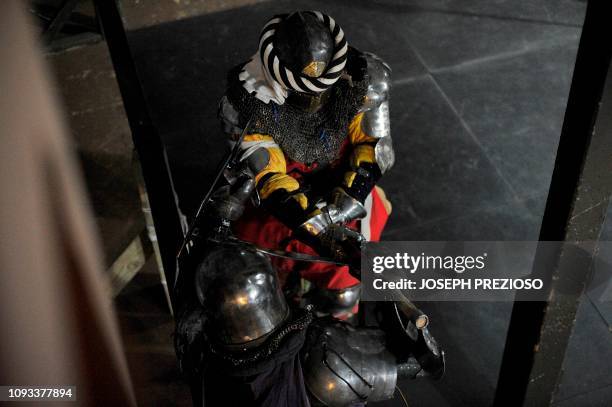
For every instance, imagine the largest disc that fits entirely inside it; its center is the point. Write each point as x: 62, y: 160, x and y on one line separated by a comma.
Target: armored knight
x: 243, y: 344
x: 239, y: 342
x: 315, y: 113
x: 309, y: 117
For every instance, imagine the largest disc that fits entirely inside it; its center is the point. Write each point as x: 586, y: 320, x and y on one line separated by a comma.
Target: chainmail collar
x: 305, y: 137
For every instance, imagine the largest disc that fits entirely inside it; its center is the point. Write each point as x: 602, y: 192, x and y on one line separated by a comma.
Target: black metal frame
x: 577, y: 203
x: 147, y: 142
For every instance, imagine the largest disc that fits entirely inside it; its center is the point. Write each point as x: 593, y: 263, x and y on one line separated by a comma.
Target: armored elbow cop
x: 339, y: 303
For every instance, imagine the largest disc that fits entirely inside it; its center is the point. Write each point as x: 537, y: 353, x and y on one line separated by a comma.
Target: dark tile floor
x: 477, y: 106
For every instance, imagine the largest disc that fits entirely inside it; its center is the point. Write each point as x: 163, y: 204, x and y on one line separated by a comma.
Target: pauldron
x: 344, y: 365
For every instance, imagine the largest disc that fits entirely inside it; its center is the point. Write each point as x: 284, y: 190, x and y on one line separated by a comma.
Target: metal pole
x: 151, y: 152
x: 575, y: 212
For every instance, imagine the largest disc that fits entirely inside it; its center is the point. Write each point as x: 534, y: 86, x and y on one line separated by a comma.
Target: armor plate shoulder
x: 376, y: 121
x: 379, y: 83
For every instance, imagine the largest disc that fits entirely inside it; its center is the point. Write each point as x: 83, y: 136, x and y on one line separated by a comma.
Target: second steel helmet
x: 241, y: 296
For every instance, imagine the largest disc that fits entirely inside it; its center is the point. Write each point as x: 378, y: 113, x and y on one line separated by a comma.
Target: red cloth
x: 379, y: 217
x: 264, y: 230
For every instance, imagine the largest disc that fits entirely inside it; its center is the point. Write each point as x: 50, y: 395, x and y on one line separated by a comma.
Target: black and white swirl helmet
x: 291, y: 79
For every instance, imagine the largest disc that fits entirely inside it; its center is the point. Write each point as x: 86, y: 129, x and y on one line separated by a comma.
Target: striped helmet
x: 303, y: 52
